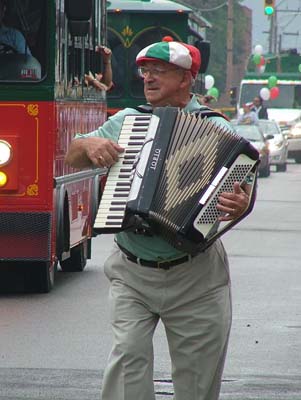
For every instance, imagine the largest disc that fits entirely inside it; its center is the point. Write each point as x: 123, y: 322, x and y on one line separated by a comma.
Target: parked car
x: 294, y: 142
x: 256, y: 137
x: 278, y: 145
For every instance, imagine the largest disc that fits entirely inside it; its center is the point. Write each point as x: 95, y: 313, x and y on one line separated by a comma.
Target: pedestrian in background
x: 206, y: 99
x: 248, y: 116
x: 259, y: 108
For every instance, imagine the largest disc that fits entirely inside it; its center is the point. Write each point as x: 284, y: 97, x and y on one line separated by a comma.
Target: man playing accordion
x: 152, y: 280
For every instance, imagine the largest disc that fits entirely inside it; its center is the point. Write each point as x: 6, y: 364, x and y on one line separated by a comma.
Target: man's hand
x: 234, y: 204
x: 105, y: 52
x: 102, y: 152
x: 93, y: 151
x: 91, y: 80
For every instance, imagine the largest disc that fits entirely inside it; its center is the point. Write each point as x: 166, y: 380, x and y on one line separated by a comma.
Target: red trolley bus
x: 46, y: 208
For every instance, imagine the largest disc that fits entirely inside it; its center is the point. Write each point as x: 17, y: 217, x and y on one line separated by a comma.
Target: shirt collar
x: 193, y: 105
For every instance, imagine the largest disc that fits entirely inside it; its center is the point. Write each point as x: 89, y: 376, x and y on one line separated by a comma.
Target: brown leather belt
x: 164, y: 264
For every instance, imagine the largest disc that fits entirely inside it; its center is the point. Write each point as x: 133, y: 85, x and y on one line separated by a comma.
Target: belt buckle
x: 161, y: 262
x: 166, y: 262
x: 171, y: 260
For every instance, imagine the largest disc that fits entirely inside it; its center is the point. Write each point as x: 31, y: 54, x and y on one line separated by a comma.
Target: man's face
x: 163, y: 83
x: 256, y: 102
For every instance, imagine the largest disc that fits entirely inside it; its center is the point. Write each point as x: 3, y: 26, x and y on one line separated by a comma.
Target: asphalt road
x: 55, y: 346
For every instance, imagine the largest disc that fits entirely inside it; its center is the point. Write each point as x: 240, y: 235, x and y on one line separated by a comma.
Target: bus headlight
x: 3, y: 179
x: 5, y: 152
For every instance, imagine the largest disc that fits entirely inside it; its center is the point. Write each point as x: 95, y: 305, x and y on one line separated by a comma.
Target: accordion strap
x: 202, y: 112
x: 145, y: 108
x: 208, y: 112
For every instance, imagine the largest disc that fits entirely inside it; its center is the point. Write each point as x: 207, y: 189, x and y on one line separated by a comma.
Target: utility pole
x: 275, y: 32
x: 272, y: 31
x: 229, y: 77
x: 275, y: 39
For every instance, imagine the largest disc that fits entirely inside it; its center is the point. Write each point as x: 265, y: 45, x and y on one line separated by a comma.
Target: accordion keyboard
x: 117, y: 188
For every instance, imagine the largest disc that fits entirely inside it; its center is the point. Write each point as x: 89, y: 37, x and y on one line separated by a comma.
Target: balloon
x: 299, y: 67
x: 262, y: 61
x: 209, y: 82
x: 256, y: 59
x: 213, y: 92
x: 258, y: 49
x: 272, y: 81
x: 274, y: 92
x: 264, y: 93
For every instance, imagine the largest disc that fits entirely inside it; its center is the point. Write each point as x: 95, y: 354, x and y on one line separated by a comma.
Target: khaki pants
x: 193, y: 301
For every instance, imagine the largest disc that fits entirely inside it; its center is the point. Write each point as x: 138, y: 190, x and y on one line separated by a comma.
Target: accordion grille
x: 209, y: 213
x: 195, y: 155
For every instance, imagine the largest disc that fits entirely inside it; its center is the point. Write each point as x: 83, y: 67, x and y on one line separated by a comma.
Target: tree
x: 216, y: 14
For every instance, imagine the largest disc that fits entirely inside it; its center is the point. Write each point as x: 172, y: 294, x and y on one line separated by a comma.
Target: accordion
x: 167, y: 181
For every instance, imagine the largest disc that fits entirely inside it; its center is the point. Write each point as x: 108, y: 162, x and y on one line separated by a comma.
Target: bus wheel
x: 77, y: 260
x: 39, y: 277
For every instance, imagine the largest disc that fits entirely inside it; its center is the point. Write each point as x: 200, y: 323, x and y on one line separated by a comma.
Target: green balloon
x: 256, y: 59
x: 272, y: 81
x: 213, y: 92
x: 299, y: 67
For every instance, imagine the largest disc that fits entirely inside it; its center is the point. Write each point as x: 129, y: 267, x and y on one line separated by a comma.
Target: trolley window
x: 22, y: 40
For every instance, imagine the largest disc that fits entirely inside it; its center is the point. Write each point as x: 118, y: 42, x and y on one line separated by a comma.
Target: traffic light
x: 233, y: 95
x: 269, y: 7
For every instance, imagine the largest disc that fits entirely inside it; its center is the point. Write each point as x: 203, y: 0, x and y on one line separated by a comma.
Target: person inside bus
x: 11, y: 39
x: 248, y: 116
x: 259, y: 108
x: 102, y: 81
x: 150, y: 279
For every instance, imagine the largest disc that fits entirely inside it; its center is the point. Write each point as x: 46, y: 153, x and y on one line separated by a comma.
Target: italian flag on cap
x: 180, y: 54
x: 171, y: 52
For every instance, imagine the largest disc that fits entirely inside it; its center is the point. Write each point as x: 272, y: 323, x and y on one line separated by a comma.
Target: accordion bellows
x: 169, y: 178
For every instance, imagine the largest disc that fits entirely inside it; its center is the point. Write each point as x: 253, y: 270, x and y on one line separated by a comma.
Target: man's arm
x: 102, y: 80
x: 107, y: 75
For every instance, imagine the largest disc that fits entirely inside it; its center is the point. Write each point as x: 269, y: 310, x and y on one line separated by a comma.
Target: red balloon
x: 274, y: 92
x: 262, y: 61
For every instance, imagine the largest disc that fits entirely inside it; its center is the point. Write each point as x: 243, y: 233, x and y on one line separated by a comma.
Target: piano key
x: 119, y: 180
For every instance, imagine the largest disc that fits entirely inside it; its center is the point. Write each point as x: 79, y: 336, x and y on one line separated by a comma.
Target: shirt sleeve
x: 111, y: 128
x: 20, y: 43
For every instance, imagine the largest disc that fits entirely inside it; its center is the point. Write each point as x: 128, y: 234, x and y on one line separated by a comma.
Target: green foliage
x: 217, y: 35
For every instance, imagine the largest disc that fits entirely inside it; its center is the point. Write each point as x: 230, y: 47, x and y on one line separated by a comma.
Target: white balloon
x: 265, y: 93
x: 209, y: 81
x: 258, y: 49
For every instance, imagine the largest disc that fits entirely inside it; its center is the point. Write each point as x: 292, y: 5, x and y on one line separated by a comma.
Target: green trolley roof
x: 147, y: 6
